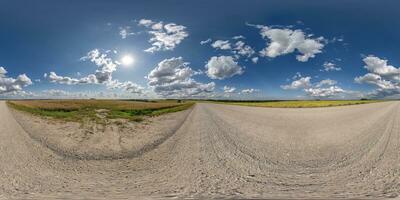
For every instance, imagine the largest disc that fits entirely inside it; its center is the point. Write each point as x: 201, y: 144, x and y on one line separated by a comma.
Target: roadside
x: 95, y: 131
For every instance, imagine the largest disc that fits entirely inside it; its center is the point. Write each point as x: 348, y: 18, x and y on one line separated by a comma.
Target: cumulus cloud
x: 127, y: 86
x: 103, y: 74
x: 54, y: 78
x: 382, y: 75
x: 329, y: 66
x: 173, y: 77
x: 324, y: 92
x: 326, y: 82
x: 228, y: 89
x: 283, y: 41
x: 222, y: 67
x: 322, y: 89
x: 302, y: 82
x: 105, y: 67
x: 377, y: 80
x: 164, y: 36
x: 221, y: 44
x: 380, y: 67
x: 12, y: 85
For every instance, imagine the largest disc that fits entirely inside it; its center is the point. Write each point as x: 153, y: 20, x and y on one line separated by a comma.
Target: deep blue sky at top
x: 39, y: 36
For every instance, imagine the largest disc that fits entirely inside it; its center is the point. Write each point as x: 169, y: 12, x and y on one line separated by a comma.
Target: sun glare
x: 127, y: 60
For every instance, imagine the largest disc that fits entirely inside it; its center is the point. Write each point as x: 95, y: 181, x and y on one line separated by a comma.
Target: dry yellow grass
x: 70, y: 105
x: 76, y: 110
x: 302, y: 104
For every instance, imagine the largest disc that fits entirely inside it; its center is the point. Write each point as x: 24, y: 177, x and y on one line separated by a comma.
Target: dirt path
x: 225, y: 151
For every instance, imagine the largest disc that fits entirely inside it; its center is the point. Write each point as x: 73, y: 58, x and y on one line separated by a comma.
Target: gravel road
x: 224, y: 151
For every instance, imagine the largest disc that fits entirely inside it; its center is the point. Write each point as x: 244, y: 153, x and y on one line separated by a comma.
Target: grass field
x: 301, y: 104
x: 78, y: 110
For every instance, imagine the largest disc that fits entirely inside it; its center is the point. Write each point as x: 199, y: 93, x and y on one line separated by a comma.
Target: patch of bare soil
x: 109, y: 139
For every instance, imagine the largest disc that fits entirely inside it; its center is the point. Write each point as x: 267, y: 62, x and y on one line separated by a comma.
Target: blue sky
x: 305, y: 49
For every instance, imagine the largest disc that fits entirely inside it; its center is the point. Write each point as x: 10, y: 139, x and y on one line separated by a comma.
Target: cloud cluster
x: 238, y: 48
x: 329, y: 66
x: 221, y: 67
x: 105, y: 67
x: 283, y: 41
x: 12, y: 85
x: 382, y: 75
x: 322, y: 89
x: 103, y: 74
x: 127, y: 86
x: 243, y: 49
x: 302, y: 82
x: 221, y: 44
x: 173, y: 77
x: 228, y: 89
x: 164, y: 36
x: 324, y: 92
x: 124, y: 32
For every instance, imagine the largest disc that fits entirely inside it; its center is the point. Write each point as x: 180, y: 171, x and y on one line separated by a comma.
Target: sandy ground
x: 223, y: 151
x: 109, y: 139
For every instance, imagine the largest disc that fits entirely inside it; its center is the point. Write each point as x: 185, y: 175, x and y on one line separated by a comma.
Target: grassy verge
x: 97, y: 110
x: 301, y: 104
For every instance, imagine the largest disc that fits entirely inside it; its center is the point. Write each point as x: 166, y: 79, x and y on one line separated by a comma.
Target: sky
x: 216, y: 49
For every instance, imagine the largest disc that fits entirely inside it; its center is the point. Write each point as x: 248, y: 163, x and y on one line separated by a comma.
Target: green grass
x: 301, y: 104
x: 79, y: 110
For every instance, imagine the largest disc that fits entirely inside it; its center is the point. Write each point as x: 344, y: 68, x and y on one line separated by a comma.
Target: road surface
x: 225, y: 151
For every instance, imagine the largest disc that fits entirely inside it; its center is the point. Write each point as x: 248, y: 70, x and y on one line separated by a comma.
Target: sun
x: 127, y: 60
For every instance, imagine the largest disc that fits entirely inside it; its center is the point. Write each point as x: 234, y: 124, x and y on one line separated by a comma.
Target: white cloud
x: 164, y: 37
x: 127, y: 86
x: 329, y: 66
x: 242, y: 49
x: 54, y: 78
x: 221, y: 44
x: 203, y: 42
x: 105, y: 67
x: 124, y: 32
x: 223, y: 67
x: 377, y: 80
x: 322, y: 89
x: 324, y: 92
x: 249, y: 91
x: 382, y: 75
x: 146, y: 22
x: 228, y: 89
x: 326, y: 82
x: 238, y: 37
x: 254, y: 60
x: 173, y: 77
x: 103, y: 75
x: 12, y: 85
x: 302, y: 82
x: 379, y: 66
x: 283, y: 41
